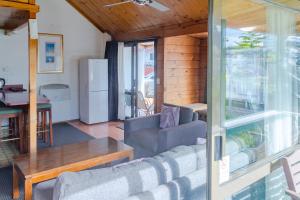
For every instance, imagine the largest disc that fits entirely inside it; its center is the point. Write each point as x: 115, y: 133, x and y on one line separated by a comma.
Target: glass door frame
x: 216, y: 134
x: 135, y: 72
x: 134, y: 61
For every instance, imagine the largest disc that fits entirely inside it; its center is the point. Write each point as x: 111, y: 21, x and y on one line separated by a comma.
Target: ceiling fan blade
x: 116, y: 4
x: 158, y: 6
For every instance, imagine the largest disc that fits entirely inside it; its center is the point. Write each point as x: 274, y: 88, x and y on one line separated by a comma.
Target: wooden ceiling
x: 290, y: 3
x: 130, y: 21
x: 246, y: 13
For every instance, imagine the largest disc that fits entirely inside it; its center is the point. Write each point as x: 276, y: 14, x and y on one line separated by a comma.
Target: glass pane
x: 127, y: 59
x: 260, y: 59
x: 271, y: 187
x: 146, y: 79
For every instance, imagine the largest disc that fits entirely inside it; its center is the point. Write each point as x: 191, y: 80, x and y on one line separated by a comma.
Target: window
x: 259, y: 98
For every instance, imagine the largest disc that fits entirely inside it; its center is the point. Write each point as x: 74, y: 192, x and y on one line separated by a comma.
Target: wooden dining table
x: 14, y: 99
x: 21, y: 100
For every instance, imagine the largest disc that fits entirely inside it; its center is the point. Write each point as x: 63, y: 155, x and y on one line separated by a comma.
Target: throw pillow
x: 169, y: 116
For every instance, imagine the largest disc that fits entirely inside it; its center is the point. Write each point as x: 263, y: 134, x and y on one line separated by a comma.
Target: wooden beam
x: 199, y: 35
x: 20, y: 6
x: 33, y: 60
x: 167, y: 31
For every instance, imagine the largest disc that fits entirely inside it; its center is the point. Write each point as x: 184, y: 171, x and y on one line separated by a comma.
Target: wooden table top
x: 20, y: 99
x: 197, y: 106
x: 65, y: 158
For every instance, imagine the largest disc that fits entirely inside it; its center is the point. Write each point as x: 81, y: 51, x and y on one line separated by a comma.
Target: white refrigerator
x: 93, y: 81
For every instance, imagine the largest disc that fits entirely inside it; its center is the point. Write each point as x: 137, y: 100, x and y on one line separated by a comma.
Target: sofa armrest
x: 195, y: 116
x: 185, y: 134
x: 135, y: 124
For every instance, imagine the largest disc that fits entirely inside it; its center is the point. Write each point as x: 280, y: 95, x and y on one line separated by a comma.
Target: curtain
x: 281, y: 130
x: 121, y: 80
x: 141, y: 70
x: 111, y: 53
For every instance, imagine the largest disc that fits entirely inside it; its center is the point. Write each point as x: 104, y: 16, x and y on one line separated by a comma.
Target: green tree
x: 250, y: 40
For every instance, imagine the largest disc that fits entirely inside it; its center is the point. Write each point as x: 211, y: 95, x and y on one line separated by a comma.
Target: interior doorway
x: 140, y: 76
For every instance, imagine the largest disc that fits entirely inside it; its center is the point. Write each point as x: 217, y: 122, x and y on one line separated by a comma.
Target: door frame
x: 134, y: 72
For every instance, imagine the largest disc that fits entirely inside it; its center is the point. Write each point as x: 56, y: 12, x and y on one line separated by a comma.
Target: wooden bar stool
x: 15, y: 117
x: 45, y: 122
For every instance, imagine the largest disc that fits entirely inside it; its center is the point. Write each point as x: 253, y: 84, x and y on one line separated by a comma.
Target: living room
x: 149, y: 99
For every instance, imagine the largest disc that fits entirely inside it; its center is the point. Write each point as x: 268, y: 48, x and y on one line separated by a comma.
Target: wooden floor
x: 108, y: 129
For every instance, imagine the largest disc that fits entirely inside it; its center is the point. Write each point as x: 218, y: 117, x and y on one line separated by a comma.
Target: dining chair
x: 44, y: 121
x: 15, y: 129
x: 291, y: 167
x: 142, y: 104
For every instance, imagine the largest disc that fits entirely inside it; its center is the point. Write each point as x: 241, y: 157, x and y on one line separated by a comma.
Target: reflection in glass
x: 271, y: 187
x: 261, y: 60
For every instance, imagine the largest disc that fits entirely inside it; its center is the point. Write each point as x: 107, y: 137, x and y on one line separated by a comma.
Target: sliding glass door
x: 140, y: 84
x: 254, y: 94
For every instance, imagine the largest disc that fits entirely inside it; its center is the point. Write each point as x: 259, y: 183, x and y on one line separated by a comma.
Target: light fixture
x: 248, y: 29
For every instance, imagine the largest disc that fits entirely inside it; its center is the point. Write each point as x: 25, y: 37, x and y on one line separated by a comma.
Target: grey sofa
x: 147, y: 139
x: 178, y: 174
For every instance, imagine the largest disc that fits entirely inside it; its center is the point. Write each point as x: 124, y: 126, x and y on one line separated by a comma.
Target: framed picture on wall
x: 50, y: 53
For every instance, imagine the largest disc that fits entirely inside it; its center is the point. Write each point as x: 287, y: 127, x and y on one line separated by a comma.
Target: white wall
x: 81, y: 39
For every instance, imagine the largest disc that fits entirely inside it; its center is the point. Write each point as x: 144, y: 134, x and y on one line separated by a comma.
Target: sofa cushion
x: 146, y: 138
x: 186, y: 114
x: 132, y: 178
x: 178, y: 162
x: 190, y: 187
x: 169, y: 116
x: 190, y: 184
x: 113, y: 183
x: 169, y: 191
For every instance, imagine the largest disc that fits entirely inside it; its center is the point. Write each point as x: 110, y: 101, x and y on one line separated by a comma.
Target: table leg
x: 21, y: 132
x: 28, y: 189
x: 16, y: 192
x: 26, y: 131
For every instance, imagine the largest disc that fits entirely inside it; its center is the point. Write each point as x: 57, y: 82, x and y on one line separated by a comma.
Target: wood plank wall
x: 184, y: 70
x: 203, y: 69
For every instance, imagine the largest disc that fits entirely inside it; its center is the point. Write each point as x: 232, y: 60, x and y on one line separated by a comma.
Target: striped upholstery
x: 164, y: 174
x: 189, y: 187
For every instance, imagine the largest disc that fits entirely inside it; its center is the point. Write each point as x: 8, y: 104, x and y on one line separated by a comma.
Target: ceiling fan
x: 151, y: 3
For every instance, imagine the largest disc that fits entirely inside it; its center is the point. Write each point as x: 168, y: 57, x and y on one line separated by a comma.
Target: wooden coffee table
x: 49, y: 163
